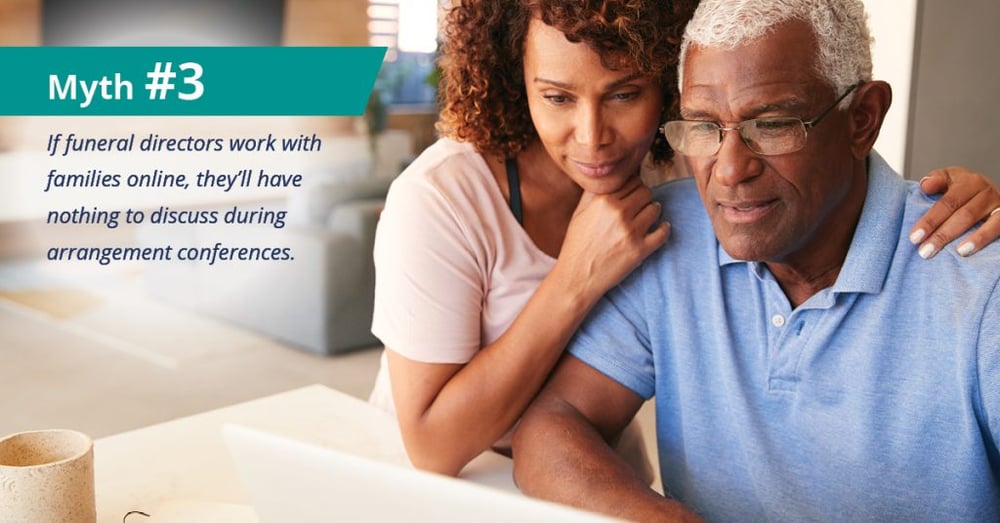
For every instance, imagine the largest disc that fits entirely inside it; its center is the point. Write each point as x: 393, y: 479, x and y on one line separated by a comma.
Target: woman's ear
x: 868, y: 107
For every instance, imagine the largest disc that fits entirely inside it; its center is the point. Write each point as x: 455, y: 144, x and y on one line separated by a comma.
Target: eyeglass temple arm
x: 849, y: 90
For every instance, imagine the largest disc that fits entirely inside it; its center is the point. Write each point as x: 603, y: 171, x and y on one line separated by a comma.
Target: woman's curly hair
x: 482, y: 94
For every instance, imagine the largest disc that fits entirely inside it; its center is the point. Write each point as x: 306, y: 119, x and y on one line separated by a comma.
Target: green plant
x: 376, y: 118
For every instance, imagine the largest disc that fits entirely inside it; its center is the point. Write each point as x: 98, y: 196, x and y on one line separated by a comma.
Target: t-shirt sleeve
x: 428, y: 283
x: 614, y: 339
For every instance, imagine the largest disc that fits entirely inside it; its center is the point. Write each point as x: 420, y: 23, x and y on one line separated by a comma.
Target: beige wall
x: 20, y: 22
x: 420, y: 125
x: 326, y: 22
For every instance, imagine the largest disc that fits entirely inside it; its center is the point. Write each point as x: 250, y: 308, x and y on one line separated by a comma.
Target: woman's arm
x: 968, y: 198
x: 450, y: 413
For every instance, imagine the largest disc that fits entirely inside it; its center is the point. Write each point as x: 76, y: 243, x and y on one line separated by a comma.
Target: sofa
x: 322, y: 300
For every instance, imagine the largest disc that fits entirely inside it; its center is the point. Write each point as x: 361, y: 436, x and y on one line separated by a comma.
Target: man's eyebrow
x: 790, y: 105
x: 695, y: 115
x: 613, y: 85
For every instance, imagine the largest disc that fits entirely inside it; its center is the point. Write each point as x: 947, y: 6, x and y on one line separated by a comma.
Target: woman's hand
x: 450, y: 412
x: 967, y: 199
x: 609, y: 235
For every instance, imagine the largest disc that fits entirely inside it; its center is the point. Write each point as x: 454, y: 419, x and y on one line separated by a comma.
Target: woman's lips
x: 746, y: 212
x: 596, y: 169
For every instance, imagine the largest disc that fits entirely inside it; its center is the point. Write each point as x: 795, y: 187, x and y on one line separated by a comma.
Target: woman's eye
x: 630, y: 95
x: 557, y: 99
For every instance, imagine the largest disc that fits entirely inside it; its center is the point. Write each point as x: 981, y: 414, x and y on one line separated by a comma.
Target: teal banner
x: 187, y: 81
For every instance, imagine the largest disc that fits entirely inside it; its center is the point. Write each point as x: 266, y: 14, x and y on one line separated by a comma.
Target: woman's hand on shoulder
x: 967, y: 198
x: 609, y: 235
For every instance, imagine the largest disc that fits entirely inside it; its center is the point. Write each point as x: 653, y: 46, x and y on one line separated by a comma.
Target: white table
x: 186, y: 459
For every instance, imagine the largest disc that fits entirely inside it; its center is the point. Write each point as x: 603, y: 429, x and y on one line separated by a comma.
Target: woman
x: 498, y: 239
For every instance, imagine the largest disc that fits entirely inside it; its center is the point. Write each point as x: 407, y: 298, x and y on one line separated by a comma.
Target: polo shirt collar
x: 875, y: 239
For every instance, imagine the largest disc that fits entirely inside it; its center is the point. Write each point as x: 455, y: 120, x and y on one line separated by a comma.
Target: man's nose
x: 735, y: 163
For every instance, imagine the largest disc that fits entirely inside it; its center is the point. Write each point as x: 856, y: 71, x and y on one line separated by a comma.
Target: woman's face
x: 597, y: 124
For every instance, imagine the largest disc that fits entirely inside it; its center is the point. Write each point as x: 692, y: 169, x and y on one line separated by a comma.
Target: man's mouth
x: 746, y: 211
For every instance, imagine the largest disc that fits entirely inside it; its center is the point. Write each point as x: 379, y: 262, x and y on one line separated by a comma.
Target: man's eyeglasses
x: 764, y: 136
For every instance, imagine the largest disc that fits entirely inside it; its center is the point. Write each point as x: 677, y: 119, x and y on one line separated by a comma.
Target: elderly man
x: 807, y: 364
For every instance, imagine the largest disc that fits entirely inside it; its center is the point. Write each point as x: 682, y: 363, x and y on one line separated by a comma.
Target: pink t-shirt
x: 453, y: 268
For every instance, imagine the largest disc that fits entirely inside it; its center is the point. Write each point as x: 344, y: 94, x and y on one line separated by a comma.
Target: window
x: 408, y: 28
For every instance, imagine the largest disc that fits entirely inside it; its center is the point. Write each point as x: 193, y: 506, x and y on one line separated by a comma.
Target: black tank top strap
x: 514, y: 184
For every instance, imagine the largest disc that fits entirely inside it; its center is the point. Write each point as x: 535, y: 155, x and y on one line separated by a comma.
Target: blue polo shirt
x: 878, y: 399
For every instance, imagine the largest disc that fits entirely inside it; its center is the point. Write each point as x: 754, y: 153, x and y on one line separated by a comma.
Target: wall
x: 419, y: 124
x: 892, y: 24
x: 954, y: 112
x: 326, y: 22
x: 20, y: 22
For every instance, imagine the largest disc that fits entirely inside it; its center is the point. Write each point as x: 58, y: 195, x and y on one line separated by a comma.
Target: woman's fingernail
x: 922, y: 180
x: 927, y: 251
x: 966, y: 248
x: 917, y: 235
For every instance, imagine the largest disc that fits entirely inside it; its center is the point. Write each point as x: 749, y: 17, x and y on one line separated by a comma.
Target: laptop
x: 291, y: 480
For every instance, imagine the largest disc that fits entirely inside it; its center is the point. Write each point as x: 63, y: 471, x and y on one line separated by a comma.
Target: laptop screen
x: 290, y: 480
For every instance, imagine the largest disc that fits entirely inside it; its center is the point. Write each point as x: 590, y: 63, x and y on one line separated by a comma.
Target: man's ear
x: 868, y: 107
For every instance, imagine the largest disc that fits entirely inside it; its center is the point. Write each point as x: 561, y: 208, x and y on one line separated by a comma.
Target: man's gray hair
x: 840, y: 27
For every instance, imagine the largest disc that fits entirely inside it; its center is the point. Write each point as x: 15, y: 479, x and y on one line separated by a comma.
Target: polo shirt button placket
x: 782, y: 376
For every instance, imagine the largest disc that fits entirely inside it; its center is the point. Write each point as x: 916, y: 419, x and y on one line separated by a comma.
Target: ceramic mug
x: 47, y: 475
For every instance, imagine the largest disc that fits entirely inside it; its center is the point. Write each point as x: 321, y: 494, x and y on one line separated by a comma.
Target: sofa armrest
x: 321, y: 301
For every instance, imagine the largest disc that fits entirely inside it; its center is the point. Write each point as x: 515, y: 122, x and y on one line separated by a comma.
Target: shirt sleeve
x: 428, y: 282
x: 989, y: 364
x: 614, y: 339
